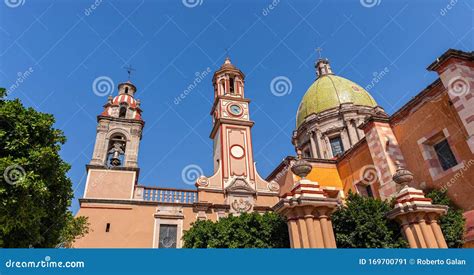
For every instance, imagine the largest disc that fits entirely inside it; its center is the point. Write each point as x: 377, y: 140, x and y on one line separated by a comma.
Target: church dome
x: 330, y: 91
x: 124, y: 98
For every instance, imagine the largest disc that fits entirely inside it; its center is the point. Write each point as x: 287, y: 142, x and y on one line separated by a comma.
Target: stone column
x: 308, y: 210
x: 345, y: 139
x: 352, y: 132
x: 319, y: 143
x: 327, y: 147
x: 314, y: 145
x: 413, y: 210
x: 360, y: 132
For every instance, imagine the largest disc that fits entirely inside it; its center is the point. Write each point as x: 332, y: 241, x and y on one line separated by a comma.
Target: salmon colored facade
x: 348, y: 140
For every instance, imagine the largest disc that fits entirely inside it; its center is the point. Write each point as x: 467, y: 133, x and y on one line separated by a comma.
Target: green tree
x: 244, y: 231
x: 362, y: 223
x: 453, y: 223
x: 35, y: 192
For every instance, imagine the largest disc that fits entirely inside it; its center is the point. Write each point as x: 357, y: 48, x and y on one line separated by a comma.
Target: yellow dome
x: 330, y: 91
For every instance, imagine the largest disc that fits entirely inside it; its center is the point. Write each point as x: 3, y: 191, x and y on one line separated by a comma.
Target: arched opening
x: 126, y: 90
x: 123, y: 111
x: 116, y: 150
x: 231, y: 85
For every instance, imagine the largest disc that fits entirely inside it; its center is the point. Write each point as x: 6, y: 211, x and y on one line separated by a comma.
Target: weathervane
x: 129, y: 69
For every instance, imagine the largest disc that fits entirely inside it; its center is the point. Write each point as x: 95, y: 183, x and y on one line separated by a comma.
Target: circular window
x: 237, y: 151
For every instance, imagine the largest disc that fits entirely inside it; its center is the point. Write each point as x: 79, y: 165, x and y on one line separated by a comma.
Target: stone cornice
x: 450, y: 53
x: 219, y: 97
x: 128, y: 120
x: 237, y: 122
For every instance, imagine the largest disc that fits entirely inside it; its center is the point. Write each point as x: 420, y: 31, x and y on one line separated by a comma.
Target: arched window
x: 123, y: 111
x: 231, y: 85
x: 116, y: 150
x: 126, y: 90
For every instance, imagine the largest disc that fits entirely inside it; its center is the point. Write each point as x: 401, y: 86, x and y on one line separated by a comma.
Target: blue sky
x: 66, y: 45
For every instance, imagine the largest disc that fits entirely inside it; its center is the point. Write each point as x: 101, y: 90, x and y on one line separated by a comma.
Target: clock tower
x: 235, y: 175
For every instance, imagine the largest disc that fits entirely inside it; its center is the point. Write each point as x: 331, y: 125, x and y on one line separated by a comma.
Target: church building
x: 345, y: 139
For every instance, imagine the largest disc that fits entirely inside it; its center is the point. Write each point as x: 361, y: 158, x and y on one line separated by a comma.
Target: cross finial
x: 319, y: 50
x: 129, y: 69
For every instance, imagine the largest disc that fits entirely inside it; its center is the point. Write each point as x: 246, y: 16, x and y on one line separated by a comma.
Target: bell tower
x: 235, y: 174
x: 231, y: 124
x: 113, y: 169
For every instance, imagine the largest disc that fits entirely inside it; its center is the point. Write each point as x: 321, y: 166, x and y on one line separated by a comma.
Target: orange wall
x: 433, y: 116
x: 131, y: 225
x: 351, y: 168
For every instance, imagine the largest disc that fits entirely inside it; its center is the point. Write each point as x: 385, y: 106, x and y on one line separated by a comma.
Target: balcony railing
x: 167, y: 195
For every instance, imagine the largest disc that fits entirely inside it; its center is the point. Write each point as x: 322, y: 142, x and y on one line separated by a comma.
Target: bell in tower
x: 119, y: 129
x: 113, y: 169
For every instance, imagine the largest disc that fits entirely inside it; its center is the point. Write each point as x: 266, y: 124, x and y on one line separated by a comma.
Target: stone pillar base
x: 418, y: 219
x: 308, y: 210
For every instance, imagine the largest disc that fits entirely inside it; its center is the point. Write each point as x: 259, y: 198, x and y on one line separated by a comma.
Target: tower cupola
x: 323, y: 67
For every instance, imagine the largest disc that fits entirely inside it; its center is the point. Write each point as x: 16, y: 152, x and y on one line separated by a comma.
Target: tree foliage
x: 244, y: 231
x: 35, y: 192
x: 453, y: 223
x: 362, y: 223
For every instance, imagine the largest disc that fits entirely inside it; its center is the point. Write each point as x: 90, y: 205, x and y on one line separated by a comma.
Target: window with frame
x: 336, y: 146
x: 365, y: 190
x: 445, y: 154
x: 168, y: 236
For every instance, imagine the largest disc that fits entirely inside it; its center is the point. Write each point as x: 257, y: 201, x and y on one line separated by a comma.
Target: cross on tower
x: 129, y: 69
x: 319, y: 50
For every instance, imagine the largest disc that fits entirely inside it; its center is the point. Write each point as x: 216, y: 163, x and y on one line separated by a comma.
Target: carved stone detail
x: 241, y: 205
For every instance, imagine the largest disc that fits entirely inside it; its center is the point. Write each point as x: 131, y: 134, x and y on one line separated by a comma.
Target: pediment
x: 240, y: 185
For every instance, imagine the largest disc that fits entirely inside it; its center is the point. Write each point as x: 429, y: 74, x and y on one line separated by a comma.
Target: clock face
x: 235, y: 109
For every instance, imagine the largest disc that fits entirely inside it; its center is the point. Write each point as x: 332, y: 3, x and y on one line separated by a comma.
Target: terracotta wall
x: 104, y: 183
x: 351, y: 168
x: 131, y: 225
x: 425, y: 121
